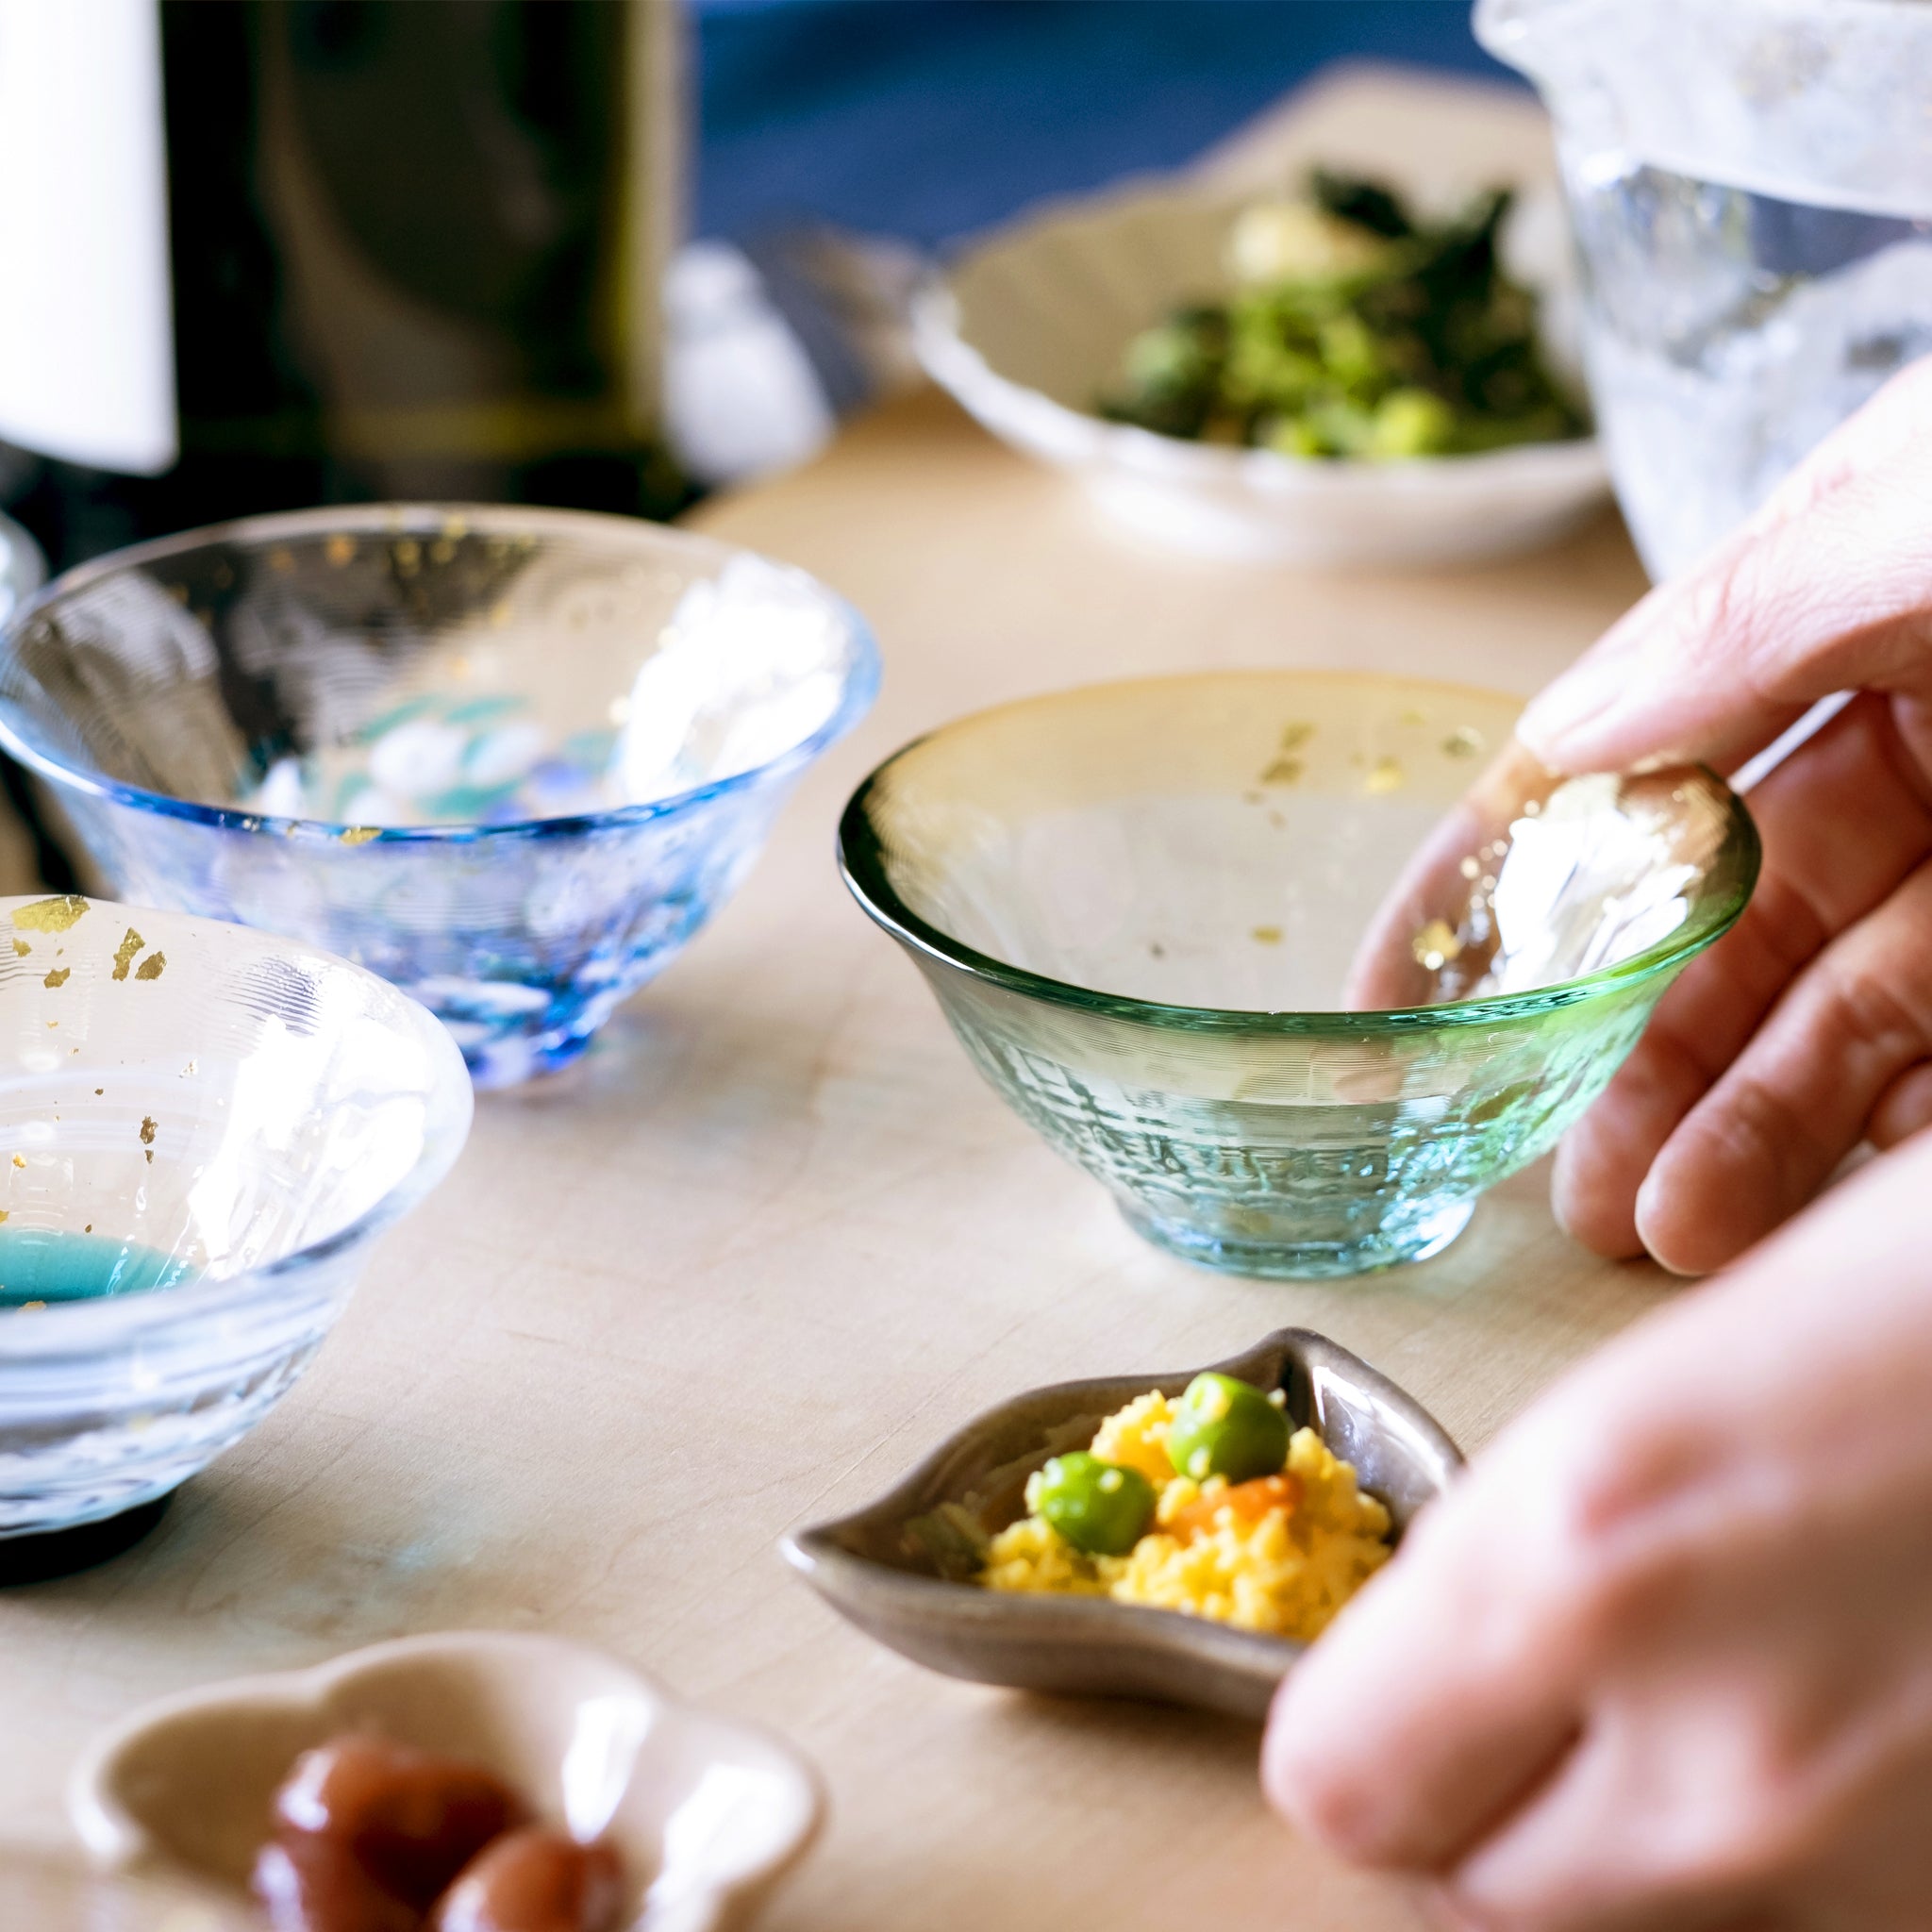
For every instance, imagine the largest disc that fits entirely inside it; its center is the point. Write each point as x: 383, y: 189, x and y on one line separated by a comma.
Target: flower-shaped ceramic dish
x: 512, y: 759
x: 1029, y: 324
x: 877, y: 1568
x: 201, y: 1130
x: 705, y: 1812
x: 1148, y: 910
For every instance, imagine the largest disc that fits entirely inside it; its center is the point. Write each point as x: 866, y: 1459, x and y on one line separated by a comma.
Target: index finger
x: 1435, y: 1704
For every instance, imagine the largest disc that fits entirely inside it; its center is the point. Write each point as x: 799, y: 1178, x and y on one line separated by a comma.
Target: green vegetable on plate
x: 1226, y: 1427
x: 1102, y: 1509
x: 1353, y: 330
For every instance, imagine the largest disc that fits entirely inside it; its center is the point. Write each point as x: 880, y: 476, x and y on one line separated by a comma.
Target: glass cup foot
x: 40, y: 1555
x: 1412, y: 1236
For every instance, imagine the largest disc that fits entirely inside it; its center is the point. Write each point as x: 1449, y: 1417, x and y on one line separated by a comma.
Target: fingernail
x: 1281, y: 1763
x: 1558, y: 1212
x: 1650, y: 1208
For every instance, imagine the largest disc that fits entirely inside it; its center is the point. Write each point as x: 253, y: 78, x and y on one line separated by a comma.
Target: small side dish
x: 471, y: 1781
x: 1046, y: 1499
x: 1313, y: 391
x: 369, y: 1836
x: 1353, y: 328
x: 1211, y: 1505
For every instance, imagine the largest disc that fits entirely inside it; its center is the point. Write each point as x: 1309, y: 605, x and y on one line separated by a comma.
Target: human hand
x: 1662, y: 1657
x: 1808, y: 1027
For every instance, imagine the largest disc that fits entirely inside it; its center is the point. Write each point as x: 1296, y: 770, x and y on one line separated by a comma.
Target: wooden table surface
x: 772, y: 1238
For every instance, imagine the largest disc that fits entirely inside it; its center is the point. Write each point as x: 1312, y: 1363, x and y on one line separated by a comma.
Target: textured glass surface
x: 247, y: 1107
x: 1217, y: 936
x: 510, y: 759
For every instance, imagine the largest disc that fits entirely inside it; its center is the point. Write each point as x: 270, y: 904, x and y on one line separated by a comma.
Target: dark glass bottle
x: 415, y: 248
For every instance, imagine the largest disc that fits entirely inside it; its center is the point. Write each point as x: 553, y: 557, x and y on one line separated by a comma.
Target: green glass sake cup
x: 1295, y: 963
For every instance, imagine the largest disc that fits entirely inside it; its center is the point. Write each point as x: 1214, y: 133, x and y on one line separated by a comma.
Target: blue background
x: 926, y: 119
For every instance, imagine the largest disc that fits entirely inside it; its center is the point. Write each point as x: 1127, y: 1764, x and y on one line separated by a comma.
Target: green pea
x: 1100, y: 1507
x: 1224, y: 1427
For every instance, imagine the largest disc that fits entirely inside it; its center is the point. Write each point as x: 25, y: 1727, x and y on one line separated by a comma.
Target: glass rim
x: 449, y: 1104
x: 859, y: 688
x: 863, y: 867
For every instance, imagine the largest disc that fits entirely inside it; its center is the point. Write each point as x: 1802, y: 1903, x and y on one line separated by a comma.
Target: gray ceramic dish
x: 886, y: 1568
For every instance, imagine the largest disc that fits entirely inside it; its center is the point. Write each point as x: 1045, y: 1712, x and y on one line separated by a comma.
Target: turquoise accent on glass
x: 52, y: 1264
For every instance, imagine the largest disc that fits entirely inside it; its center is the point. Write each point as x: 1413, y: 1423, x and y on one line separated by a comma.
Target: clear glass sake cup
x: 202, y: 1128
x: 1750, y: 185
x: 510, y: 759
x: 1252, y: 950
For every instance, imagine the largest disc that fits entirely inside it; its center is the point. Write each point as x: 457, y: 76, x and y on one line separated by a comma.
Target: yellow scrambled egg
x: 1281, y: 1554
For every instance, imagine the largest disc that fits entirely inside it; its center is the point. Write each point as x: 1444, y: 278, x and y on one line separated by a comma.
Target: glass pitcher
x: 1750, y: 182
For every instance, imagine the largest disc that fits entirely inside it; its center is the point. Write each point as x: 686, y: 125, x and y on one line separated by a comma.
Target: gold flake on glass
x: 49, y: 915
x: 1435, y: 945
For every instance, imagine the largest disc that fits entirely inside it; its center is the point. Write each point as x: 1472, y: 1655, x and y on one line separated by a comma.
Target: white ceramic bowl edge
x: 1029, y: 322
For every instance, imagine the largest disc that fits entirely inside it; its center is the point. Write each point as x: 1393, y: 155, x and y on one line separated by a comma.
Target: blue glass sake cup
x: 510, y: 759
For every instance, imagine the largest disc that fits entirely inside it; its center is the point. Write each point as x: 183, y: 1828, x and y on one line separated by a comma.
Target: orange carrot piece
x: 1250, y: 1502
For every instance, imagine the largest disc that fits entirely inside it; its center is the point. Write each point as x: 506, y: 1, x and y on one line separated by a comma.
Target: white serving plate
x: 1030, y: 323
